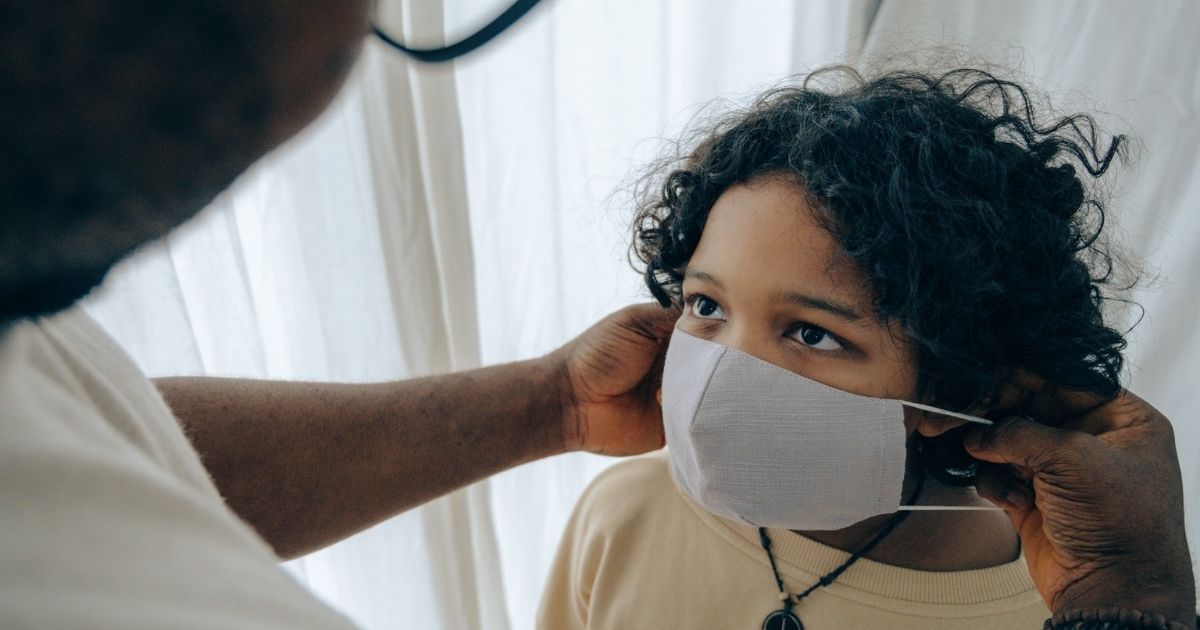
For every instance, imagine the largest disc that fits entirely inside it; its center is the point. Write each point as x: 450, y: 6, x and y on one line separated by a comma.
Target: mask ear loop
x: 949, y: 508
x: 944, y: 412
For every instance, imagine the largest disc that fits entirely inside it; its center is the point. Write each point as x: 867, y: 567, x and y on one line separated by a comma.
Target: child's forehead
x: 766, y: 235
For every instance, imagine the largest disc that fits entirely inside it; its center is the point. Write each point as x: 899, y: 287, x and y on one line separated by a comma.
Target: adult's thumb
x: 1020, y: 441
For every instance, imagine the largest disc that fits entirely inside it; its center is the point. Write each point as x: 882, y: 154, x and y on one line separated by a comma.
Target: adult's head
x: 119, y: 120
x: 936, y: 238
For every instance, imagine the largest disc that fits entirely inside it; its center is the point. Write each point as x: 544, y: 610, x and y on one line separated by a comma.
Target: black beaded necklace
x: 784, y: 618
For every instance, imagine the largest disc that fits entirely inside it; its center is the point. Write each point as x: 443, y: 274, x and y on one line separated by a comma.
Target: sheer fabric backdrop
x: 439, y: 218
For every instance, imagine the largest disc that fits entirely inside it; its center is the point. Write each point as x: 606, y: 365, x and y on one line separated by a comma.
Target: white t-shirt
x: 107, y: 517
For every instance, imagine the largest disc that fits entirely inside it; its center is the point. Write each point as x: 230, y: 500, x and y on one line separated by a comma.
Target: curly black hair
x: 967, y: 214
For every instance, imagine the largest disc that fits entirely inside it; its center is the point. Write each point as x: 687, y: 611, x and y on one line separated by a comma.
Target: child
x: 837, y: 248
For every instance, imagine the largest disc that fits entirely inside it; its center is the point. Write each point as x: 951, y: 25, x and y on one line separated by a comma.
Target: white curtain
x: 437, y: 218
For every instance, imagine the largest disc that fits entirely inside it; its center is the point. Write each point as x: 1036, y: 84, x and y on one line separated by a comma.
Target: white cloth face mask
x: 752, y: 442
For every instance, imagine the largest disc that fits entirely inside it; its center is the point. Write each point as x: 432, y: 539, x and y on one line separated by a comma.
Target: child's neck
x: 944, y: 540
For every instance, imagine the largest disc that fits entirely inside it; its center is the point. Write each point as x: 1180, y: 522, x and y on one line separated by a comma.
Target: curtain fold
x: 439, y: 218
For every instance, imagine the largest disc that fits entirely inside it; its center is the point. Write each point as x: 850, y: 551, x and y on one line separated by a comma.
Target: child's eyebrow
x: 841, y: 310
x: 704, y: 277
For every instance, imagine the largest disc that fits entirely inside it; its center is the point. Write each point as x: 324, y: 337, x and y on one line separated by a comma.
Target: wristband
x: 1112, y: 618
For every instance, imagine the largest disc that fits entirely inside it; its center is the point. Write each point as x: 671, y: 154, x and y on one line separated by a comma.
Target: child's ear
x: 658, y: 396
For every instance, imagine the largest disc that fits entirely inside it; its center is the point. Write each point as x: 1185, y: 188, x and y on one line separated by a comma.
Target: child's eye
x: 814, y: 337
x: 705, y: 308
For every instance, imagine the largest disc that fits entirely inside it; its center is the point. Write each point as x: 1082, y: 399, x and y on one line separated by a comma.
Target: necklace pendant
x: 782, y: 620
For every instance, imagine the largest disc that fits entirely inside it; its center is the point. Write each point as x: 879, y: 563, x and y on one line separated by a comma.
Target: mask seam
x: 707, y: 381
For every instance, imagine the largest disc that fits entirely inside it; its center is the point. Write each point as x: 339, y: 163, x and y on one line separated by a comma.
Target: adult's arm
x: 1098, y: 503
x: 307, y: 464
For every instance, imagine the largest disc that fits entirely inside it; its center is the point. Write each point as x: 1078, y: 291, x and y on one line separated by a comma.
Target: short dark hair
x: 967, y: 214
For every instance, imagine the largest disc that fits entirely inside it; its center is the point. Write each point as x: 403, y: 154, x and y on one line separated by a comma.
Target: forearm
x: 307, y: 464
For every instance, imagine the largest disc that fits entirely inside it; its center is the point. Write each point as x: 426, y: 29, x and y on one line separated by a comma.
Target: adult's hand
x: 1097, y: 500
x: 609, y: 376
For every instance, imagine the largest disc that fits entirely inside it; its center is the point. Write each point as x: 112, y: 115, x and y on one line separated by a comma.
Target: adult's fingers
x: 1020, y: 441
x: 997, y: 484
x: 1123, y: 411
x: 650, y: 319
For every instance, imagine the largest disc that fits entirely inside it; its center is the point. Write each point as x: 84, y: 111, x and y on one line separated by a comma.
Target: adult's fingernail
x: 972, y: 440
x: 1018, y: 498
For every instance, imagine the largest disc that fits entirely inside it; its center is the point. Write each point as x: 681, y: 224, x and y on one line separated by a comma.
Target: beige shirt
x: 638, y: 554
x: 107, y: 517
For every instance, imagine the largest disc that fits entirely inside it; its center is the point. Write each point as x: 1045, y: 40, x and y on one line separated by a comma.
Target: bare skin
x: 307, y: 464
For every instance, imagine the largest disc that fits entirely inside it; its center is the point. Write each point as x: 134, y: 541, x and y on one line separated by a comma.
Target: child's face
x: 768, y: 280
